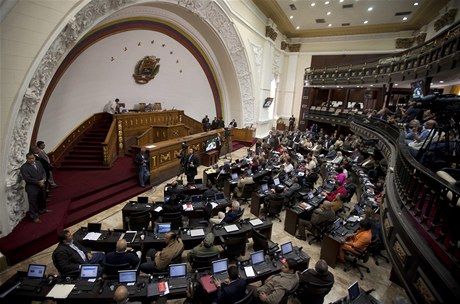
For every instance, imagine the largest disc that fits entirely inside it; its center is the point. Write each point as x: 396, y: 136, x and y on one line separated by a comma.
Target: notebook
x: 162, y: 228
x: 264, y: 188
x: 220, y: 197
x: 129, y: 279
x: 354, y: 293
x: 129, y: 236
x: 219, y: 269
x: 288, y: 252
x: 231, y: 228
x: 258, y: 262
x: 276, y: 181
x: 94, y: 227
x: 35, y: 275
x: 177, y: 276
x: 143, y: 200
x: 88, y: 276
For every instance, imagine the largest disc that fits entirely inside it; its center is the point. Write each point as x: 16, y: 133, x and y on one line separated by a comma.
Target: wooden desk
x: 210, y: 158
x: 245, y: 135
x: 290, y: 221
x: 329, y: 250
x: 228, y: 188
x: 256, y: 200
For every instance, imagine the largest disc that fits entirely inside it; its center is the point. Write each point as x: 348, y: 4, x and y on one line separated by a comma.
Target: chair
x: 353, y: 262
x: 246, y: 195
x: 178, y: 258
x: 375, y: 249
x: 234, y: 245
x: 274, y: 208
x: 314, y: 292
x: 72, y: 274
x: 175, y: 218
x: 203, y: 261
x: 289, y: 294
x: 248, y: 298
x: 139, y: 221
x: 320, y: 230
x: 111, y: 270
x: 261, y: 242
x: 221, y: 179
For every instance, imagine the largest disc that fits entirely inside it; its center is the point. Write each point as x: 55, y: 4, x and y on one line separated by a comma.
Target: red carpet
x: 81, y: 194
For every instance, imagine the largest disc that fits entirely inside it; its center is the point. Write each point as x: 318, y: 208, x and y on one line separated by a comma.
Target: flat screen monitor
x: 220, y: 265
x: 127, y: 276
x: 36, y: 271
x: 177, y: 270
x: 94, y: 227
x: 418, y: 89
x: 268, y: 102
x: 88, y: 271
x: 211, y: 144
x: 234, y: 176
x: 286, y: 248
x: 220, y: 196
x: 164, y: 227
x: 257, y: 257
x: 264, y: 187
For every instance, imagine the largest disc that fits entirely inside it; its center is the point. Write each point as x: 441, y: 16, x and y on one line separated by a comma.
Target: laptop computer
x: 129, y: 236
x: 196, y: 199
x: 310, y: 195
x: 234, y: 177
x: 87, y: 278
x: 219, y: 269
x: 94, y: 227
x: 355, y: 295
x: 143, y: 200
x: 198, y: 181
x: 258, y: 262
x: 264, y: 189
x: 177, y: 276
x: 288, y: 252
x: 35, y: 275
x: 276, y: 181
x: 162, y: 228
x: 220, y: 198
x: 129, y: 279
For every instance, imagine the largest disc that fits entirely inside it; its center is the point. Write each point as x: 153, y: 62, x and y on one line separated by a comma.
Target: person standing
x: 41, y: 145
x: 191, y: 166
x: 142, y: 167
x: 291, y: 123
x: 233, y: 124
x: 35, y: 177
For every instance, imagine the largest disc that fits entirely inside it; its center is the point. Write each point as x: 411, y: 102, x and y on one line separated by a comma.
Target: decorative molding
x: 422, y: 285
x: 295, y: 47
x: 258, y: 53
x: 446, y: 19
x: 270, y: 33
x: 400, y: 251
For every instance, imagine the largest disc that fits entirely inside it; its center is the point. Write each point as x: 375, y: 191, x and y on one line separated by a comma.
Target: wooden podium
x: 210, y: 158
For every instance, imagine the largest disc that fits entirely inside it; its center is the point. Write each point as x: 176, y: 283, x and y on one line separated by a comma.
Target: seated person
x: 319, y: 216
x: 319, y: 275
x: 173, y: 205
x: 232, y: 289
x: 69, y: 254
x: 211, y: 192
x: 338, y: 158
x: 160, y: 260
x: 341, y: 176
x: 120, y: 296
x: 205, y: 248
x: 337, y: 203
x: 229, y: 216
x: 338, y: 188
x: 123, y: 255
x: 276, y: 286
x: 243, y: 181
x: 360, y: 240
x: 276, y: 195
x: 173, y: 189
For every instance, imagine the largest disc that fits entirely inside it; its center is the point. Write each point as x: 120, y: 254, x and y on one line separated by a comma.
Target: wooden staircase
x: 87, y: 153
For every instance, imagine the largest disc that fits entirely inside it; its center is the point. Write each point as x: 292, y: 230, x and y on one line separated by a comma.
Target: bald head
x: 327, y: 205
x: 121, y: 294
x: 121, y: 245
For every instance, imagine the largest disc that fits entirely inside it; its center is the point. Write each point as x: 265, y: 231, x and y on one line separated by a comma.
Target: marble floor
x: 377, y: 279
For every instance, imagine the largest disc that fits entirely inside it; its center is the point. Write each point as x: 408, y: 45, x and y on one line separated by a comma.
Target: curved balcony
x: 420, y: 215
x: 437, y: 56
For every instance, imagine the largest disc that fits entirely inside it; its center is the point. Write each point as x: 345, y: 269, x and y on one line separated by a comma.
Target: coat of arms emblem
x: 146, y: 69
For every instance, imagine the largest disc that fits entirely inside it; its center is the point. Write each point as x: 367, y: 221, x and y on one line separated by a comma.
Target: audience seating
x: 234, y: 245
x: 314, y: 292
x: 248, y: 298
x: 139, y: 221
x: 274, y: 208
x: 319, y: 232
x: 375, y: 249
x: 174, y: 218
x: 204, y: 261
x: 72, y: 274
x: 261, y: 242
x: 111, y: 270
x: 353, y: 262
x: 248, y: 189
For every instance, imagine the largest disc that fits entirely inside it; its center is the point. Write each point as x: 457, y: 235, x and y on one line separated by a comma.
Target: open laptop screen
x: 164, y: 227
x: 177, y: 270
x: 36, y: 271
x: 264, y: 187
x: 257, y: 257
x: 220, y: 196
x: 88, y: 271
x: 219, y: 266
x: 286, y: 248
x: 94, y: 227
x: 234, y: 176
x: 127, y: 276
x: 276, y: 181
x: 353, y: 291
x: 310, y: 195
x: 196, y: 198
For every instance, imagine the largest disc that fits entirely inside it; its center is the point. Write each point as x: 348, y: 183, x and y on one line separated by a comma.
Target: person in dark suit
x: 142, y: 167
x: 69, y: 254
x: 191, y: 165
x: 35, y: 177
x: 174, y: 190
x: 123, y: 255
x: 319, y: 275
x: 232, y: 289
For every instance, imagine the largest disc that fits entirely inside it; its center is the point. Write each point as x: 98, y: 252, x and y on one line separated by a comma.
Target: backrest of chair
x: 111, y: 270
x: 260, y: 241
x: 275, y: 206
x: 314, y: 292
x: 202, y: 261
x: 248, y: 189
x: 175, y: 218
x: 139, y: 221
x: 222, y: 177
x: 235, y: 244
x: 248, y: 298
x: 238, y: 217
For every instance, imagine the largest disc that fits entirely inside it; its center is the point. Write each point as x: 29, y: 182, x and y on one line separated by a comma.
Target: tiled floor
x: 377, y: 279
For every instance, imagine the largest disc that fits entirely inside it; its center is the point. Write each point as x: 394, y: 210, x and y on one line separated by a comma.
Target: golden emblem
x: 146, y: 69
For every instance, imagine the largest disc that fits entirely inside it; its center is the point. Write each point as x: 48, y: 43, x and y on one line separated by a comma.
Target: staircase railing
x: 146, y: 138
x: 109, y: 146
x: 194, y: 125
x: 57, y: 155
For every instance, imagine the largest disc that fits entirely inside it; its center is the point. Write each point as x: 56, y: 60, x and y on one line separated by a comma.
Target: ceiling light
x: 297, y: 27
x: 365, y: 22
x: 328, y: 13
x: 313, y: 4
x: 327, y: 2
x: 372, y: 85
x: 330, y: 24
x: 415, y: 3
x: 370, y: 9
x: 341, y: 1
x: 396, y: 84
x: 291, y: 17
x: 441, y: 81
x: 404, y: 18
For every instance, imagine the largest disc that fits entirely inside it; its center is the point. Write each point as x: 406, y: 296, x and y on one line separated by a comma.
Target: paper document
x: 196, y: 232
x: 187, y: 207
x: 249, y: 271
x: 231, y: 228
x: 214, y: 205
x: 60, y: 291
x: 93, y: 236
x: 158, y: 209
x: 256, y: 222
